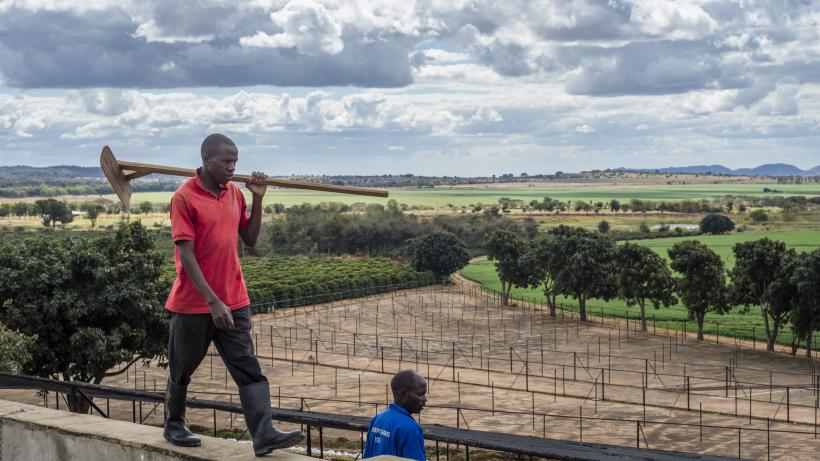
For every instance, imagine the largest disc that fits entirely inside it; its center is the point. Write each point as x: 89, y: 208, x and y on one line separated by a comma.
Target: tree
x: 603, y: 227
x: 92, y: 211
x: 14, y: 350
x: 643, y: 275
x: 21, y: 209
x: 702, y: 284
x: 588, y: 269
x: 643, y: 227
x: 507, y: 249
x: 805, y: 280
x: 53, y: 211
x: 93, y: 303
x: 146, y: 207
x: 439, y: 252
x: 757, y: 280
x: 614, y: 205
x: 759, y: 215
x: 543, y: 260
x: 716, y: 224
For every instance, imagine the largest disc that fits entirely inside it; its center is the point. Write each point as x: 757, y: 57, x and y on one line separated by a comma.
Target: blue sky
x: 427, y: 87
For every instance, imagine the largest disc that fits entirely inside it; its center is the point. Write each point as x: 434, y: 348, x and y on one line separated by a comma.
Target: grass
x: 738, y: 322
x: 440, y: 197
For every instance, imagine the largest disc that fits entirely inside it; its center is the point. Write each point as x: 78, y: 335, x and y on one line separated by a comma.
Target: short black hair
x: 404, y: 379
x: 213, y: 141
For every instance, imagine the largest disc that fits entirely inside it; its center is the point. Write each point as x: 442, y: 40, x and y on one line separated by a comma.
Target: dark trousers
x: 191, y: 335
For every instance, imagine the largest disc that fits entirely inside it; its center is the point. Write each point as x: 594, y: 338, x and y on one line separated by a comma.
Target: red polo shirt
x: 213, y: 224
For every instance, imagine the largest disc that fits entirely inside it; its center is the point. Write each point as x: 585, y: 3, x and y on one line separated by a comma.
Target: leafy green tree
x: 92, y: 303
x: 92, y: 211
x: 643, y: 275
x: 588, y: 266
x: 53, y: 211
x: 643, y: 227
x: 759, y: 215
x: 543, y: 259
x: 716, y: 224
x: 603, y: 227
x: 614, y: 205
x: 439, y: 252
x: 804, y: 270
x: 702, y: 284
x: 506, y: 250
x: 146, y: 207
x: 21, y: 209
x: 15, y: 350
x: 757, y: 280
x: 492, y: 210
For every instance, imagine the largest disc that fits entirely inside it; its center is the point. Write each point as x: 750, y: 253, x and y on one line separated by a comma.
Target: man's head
x: 219, y: 156
x: 409, y: 390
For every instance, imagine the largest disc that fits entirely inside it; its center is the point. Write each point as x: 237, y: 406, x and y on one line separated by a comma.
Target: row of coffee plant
x: 295, y: 281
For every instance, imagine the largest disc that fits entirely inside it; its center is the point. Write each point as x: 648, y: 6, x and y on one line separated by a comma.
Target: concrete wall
x: 39, y: 434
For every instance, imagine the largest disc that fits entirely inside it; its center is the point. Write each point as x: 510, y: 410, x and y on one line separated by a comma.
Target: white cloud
x: 455, y: 79
x: 306, y: 25
x: 678, y: 19
x: 585, y: 129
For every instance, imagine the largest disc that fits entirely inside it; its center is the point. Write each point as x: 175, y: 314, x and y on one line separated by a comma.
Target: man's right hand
x: 221, y: 315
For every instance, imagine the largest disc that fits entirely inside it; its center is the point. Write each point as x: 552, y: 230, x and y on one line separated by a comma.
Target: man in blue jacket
x: 394, y: 431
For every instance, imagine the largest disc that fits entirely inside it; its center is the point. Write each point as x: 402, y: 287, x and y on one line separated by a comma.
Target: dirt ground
x: 516, y: 370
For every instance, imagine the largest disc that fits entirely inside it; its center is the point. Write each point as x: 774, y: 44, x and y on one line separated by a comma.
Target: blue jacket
x: 395, y: 432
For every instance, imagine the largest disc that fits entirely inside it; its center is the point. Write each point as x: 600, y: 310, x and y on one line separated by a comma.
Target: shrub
x: 759, y: 215
x: 716, y: 224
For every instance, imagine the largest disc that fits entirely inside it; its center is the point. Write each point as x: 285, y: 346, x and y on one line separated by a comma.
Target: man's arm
x: 219, y: 311
x: 412, y: 444
x: 251, y: 232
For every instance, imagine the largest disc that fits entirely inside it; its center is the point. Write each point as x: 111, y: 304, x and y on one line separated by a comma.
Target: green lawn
x: 440, y: 197
x: 736, y: 323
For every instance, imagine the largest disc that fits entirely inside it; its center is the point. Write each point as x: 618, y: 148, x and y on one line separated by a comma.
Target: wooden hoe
x: 120, y: 173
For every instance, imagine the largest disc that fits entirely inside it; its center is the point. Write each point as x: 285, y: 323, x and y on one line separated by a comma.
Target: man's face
x: 414, y: 397
x: 221, y: 163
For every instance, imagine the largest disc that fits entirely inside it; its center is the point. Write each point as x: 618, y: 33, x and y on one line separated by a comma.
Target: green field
x: 441, y: 197
x: 735, y: 323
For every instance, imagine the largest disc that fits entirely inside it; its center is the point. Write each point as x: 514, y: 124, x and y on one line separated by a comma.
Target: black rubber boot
x: 256, y: 406
x: 175, y: 430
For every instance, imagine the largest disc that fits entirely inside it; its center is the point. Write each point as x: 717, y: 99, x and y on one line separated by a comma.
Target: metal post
x: 788, y: 406
x: 581, y: 423
x: 637, y: 434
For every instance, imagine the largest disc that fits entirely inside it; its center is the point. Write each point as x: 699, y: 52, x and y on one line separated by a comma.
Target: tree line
x: 329, y: 228
x: 581, y: 264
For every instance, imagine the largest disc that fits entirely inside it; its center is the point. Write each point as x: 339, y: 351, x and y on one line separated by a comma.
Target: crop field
x: 514, y: 370
x: 441, y: 197
x: 296, y: 281
x: 745, y: 325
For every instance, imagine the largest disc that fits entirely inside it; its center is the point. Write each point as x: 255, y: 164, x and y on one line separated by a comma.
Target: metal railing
x: 463, y: 439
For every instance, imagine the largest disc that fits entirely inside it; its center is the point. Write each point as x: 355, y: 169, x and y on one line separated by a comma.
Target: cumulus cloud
x: 596, y: 48
x: 306, y: 26
x: 460, y: 77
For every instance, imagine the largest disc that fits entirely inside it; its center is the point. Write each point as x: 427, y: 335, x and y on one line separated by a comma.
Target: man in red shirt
x: 209, y: 300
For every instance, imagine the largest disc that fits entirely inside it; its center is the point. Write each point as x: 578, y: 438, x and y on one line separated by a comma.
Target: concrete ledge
x: 30, y: 432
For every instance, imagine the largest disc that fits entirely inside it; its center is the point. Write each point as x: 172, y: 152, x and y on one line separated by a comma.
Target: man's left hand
x: 255, y: 184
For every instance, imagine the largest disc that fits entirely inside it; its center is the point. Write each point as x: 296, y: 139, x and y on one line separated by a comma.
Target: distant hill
x: 26, y: 181
x: 22, y: 173
x: 769, y: 169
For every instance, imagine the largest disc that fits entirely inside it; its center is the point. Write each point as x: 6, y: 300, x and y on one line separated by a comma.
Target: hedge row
x: 296, y: 281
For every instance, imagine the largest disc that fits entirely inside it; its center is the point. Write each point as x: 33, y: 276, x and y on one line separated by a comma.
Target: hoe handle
x: 141, y: 169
